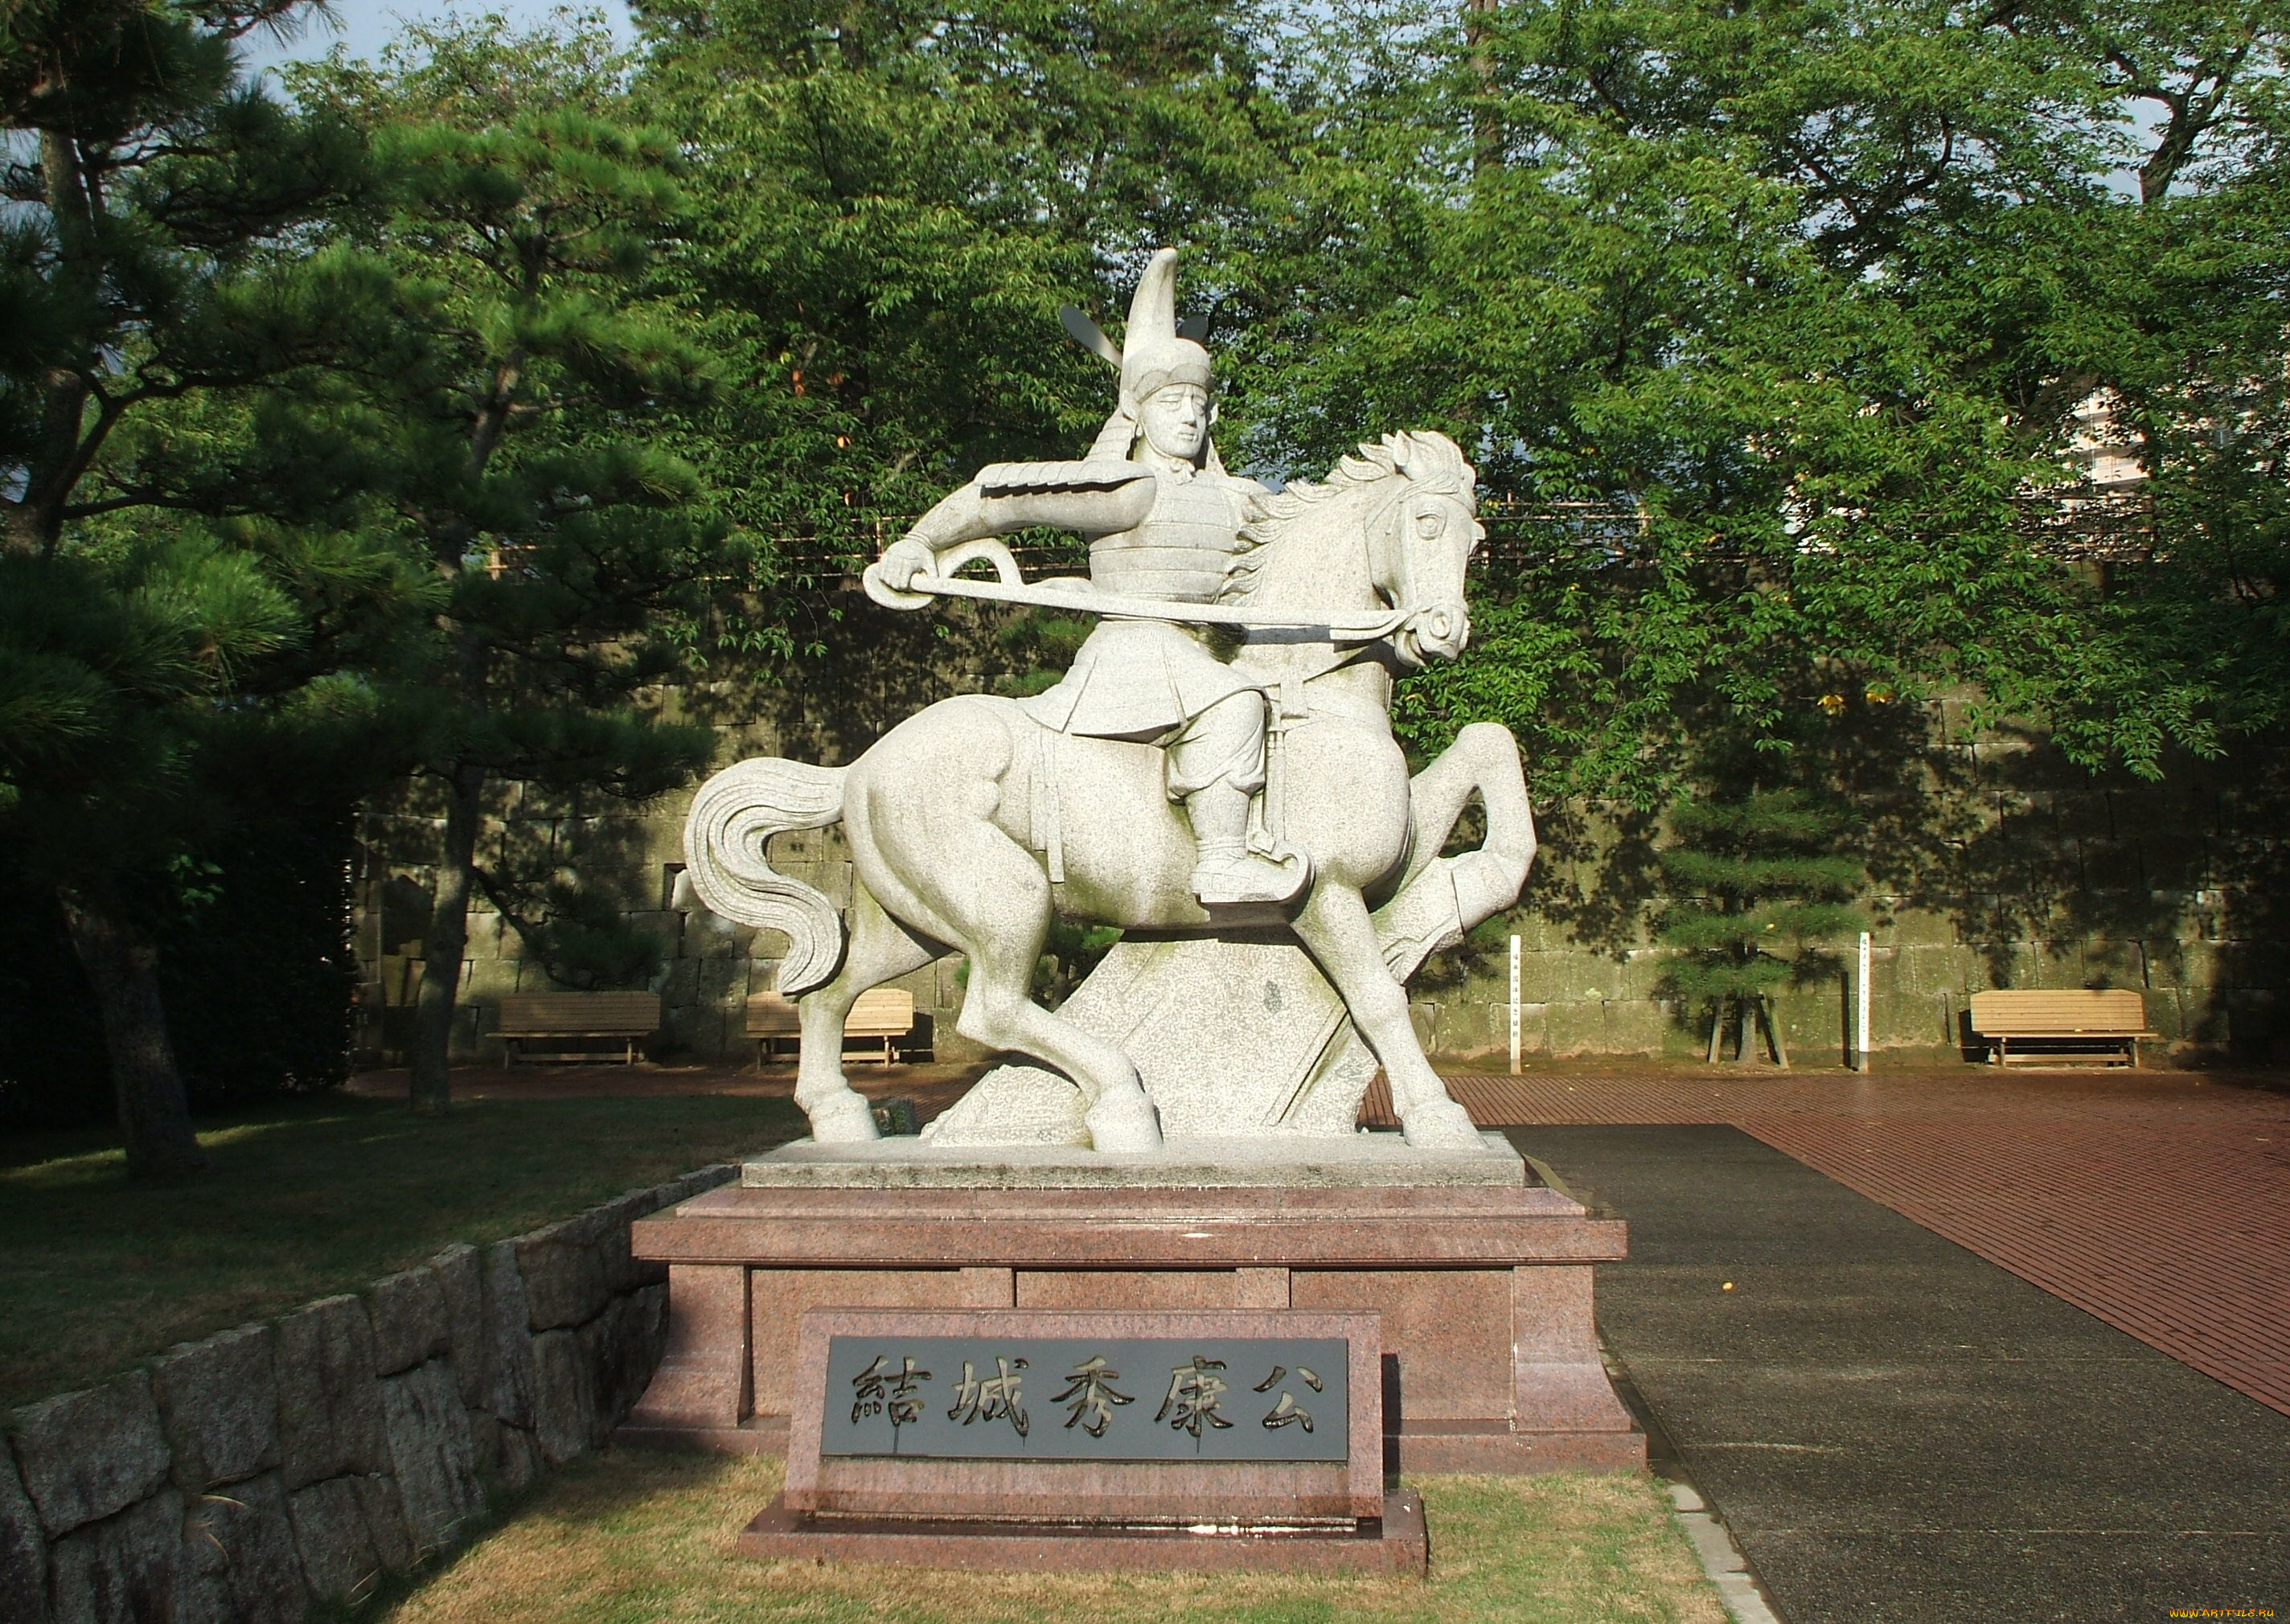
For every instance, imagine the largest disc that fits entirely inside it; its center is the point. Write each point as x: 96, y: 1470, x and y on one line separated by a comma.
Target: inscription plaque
x: 1101, y: 1399
x: 1143, y: 1392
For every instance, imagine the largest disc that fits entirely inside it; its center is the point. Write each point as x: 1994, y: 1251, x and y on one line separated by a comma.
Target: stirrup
x: 1246, y: 880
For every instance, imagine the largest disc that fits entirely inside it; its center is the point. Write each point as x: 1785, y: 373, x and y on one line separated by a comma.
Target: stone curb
x: 1721, y: 1559
x: 241, y: 1478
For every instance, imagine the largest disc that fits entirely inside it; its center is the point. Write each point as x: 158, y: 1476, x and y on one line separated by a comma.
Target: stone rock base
x: 1396, y: 1545
x: 1489, y: 1359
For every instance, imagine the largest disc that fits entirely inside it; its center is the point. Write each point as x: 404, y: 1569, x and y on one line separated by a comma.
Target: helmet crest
x: 1153, y: 356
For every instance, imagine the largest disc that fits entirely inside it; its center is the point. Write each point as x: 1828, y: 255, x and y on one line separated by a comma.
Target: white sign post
x: 1861, y: 1010
x: 1514, y: 1006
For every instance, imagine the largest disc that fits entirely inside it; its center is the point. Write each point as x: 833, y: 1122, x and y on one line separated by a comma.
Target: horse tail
x: 734, y: 815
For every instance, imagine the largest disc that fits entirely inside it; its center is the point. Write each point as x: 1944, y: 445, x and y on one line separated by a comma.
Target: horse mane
x: 1424, y: 456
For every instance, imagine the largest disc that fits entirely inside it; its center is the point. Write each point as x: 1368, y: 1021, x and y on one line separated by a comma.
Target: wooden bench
x: 887, y: 1013
x: 571, y: 1017
x: 2027, y: 1027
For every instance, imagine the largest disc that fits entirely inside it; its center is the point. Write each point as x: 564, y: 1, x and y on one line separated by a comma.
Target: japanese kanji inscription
x: 1107, y: 1398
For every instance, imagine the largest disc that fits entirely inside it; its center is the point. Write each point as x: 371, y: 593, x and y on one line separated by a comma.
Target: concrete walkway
x: 2159, y: 1200
x: 1894, y: 1428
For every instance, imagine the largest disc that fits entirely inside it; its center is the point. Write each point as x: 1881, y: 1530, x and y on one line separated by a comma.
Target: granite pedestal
x: 1480, y: 1271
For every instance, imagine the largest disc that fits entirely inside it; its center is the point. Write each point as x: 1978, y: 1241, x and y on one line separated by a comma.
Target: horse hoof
x: 842, y: 1119
x: 1124, y: 1122
x: 1440, y: 1124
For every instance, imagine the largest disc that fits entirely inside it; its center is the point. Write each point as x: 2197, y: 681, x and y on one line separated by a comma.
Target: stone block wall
x: 244, y: 1478
x: 1995, y: 863
x: 2000, y: 866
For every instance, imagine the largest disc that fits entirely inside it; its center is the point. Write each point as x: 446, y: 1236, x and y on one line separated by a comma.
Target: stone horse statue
x: 969, y: 823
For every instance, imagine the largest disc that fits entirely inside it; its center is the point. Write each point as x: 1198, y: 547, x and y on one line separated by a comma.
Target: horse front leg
x: 1484, y: 760
x: 1336, y: 931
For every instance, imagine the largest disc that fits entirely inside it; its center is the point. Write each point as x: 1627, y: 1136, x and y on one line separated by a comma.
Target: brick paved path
x: 2159, y: 1202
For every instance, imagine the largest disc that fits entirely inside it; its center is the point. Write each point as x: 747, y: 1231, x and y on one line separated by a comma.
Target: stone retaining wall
x: 240, y: 1479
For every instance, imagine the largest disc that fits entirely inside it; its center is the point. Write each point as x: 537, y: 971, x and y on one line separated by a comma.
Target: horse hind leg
x: 993, y: 902
x: 879, y: 949
x: 998, y: 1011
x: 926, y: 843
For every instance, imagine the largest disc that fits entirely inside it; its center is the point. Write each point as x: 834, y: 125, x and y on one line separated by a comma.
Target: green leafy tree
x: 1775, y: 323
x: 569, y: 557
x: 1761, y: 884
x: 890, y: 201
x: 156, y: 299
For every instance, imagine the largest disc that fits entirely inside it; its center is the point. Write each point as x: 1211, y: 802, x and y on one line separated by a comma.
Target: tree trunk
x: 1772, y: 1010
x: 57, y: 456
x: 1746, y: 1053
x: 442, y: 946
x: 1717, y: 1029
x: 154, y: 1118
x: 1487, y: 116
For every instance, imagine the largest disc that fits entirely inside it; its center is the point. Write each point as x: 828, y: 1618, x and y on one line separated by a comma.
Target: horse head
x: 1420, y: 544
x: 1403, y: 508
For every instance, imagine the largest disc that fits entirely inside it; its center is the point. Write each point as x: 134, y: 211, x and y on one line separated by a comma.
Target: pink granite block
x: 783, y: 1296
x: 1486, y: 1292
x: 1561, y: 1383
x: 1146, y: 1289
x: 702, y: 1379
x: 1449, y: 1329
x: 1132, y: 1229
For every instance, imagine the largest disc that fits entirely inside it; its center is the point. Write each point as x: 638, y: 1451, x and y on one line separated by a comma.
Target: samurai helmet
x: 1157, y: 350
x: 1153, y: 356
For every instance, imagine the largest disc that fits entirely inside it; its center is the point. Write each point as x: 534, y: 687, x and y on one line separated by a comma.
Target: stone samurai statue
x: 1216, y: 776
x: 1162, y: 518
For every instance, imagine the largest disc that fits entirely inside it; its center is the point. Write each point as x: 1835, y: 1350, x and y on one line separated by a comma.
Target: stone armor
x: 1144, y: 679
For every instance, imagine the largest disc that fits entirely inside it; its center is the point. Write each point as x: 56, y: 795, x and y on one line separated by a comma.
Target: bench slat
x: 563, y: 1017
x: 2113, y: 1013
x: 882, y: 1011
x: 769, y: 1015
x: 2108, y: 1021
x: 600, y: 1014
x: 888, y: 1010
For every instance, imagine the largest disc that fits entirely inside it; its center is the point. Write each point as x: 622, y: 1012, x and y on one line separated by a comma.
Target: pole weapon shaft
x: 1341, y: 627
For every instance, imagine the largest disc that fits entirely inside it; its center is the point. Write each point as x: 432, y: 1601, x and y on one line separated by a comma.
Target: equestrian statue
x: 1217, y: 764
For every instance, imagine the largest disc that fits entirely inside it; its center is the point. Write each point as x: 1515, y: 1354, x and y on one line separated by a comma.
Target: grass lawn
x: 634, y: 1538
x: 308, y: 1197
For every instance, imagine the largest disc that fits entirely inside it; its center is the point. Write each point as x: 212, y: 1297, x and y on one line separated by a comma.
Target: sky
x: 363, y: 27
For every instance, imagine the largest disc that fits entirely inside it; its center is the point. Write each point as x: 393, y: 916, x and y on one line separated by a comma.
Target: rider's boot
x: 1229, y: 874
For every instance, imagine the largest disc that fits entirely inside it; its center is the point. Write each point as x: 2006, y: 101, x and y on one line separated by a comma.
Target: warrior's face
x: 1175, y: 420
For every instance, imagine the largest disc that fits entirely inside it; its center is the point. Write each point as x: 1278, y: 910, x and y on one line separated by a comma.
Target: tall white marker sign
x: 1514, y: 1006
x: 1861, y: 1010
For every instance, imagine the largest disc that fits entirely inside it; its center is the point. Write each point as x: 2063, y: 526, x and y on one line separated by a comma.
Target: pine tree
x: 1761, y: 883
x: 568, y: 556
x: 153, y: 294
